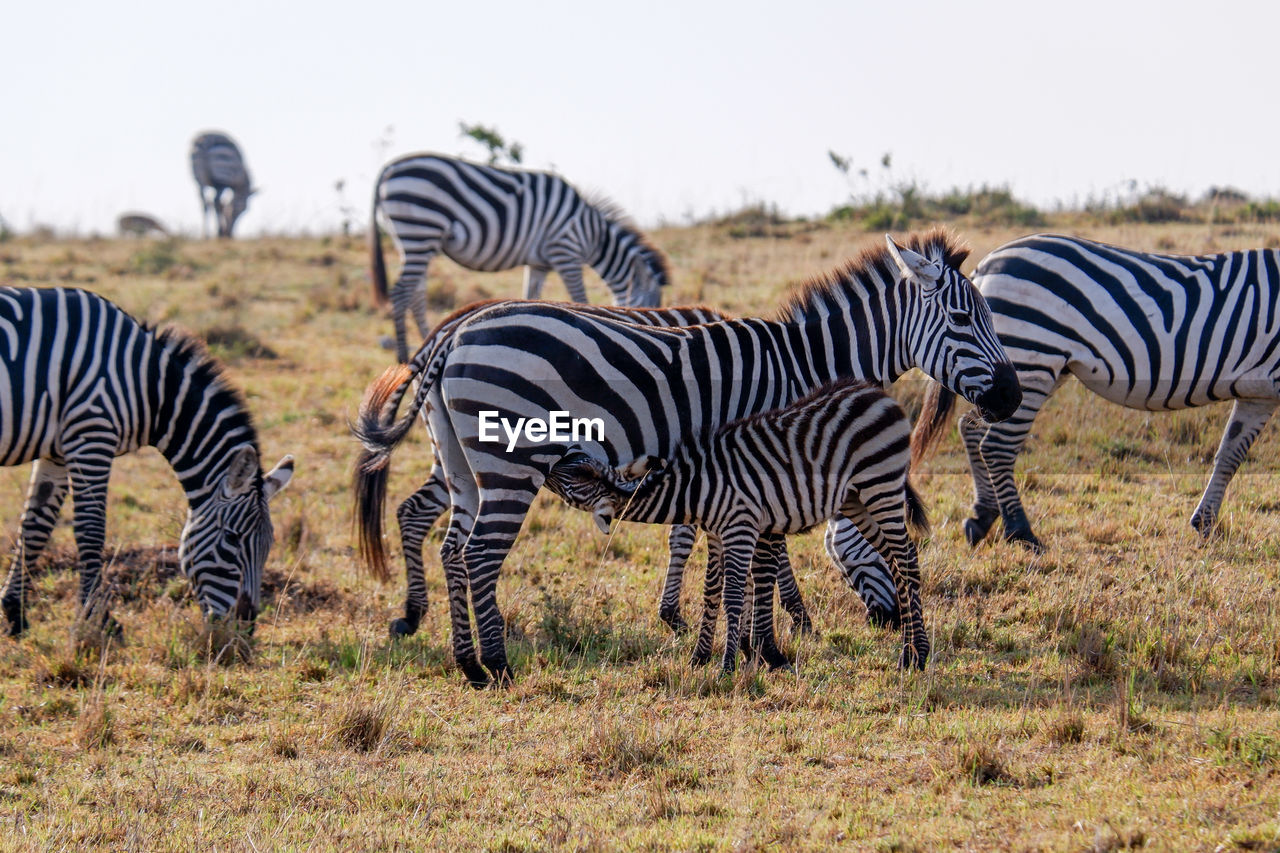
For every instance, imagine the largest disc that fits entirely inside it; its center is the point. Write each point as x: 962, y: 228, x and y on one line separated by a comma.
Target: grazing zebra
x: 218, y: 165
x: 1147, y: 331
x: 885, y: 312
x: 843, y: 450
x: 488, y: 218
x: 83, y: 382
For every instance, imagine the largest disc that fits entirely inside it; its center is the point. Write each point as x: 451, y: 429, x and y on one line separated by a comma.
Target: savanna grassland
x: 1120, y: 691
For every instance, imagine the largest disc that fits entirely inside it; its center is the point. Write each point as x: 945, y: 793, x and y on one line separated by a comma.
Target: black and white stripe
x: 884, y: 313
x: 223, y: 181
x: 1148, y: 331
x: 82, y: 382
x: 488, y: 218
x: 842, y: 451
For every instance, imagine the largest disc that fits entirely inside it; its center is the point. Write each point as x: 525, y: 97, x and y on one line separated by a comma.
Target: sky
x: 675, y: 110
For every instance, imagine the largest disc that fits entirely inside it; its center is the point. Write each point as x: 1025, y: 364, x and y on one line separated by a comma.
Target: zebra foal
x: 82, y: 382
x: 488, y: 218
x: 842, y: 451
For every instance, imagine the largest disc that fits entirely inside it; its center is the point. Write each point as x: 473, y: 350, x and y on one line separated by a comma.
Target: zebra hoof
x: 802, y: 626
x: 776, y: 660
x: 501, y: 671
x: 673, y: 620
x: 879, y: 617
x: 1026, y: 537
x: 974, y: 531
x: 700, y: 659
x: 15, y: 613
x: 1203, y: 523
x: 402, y: 628
x: 911, y: 658
x: 475, y: 674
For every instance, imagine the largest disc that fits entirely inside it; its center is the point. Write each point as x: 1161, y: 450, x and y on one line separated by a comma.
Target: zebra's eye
x: 961, y: 319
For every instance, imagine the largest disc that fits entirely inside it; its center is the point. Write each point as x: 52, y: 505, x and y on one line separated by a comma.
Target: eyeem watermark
x: 558, y: 426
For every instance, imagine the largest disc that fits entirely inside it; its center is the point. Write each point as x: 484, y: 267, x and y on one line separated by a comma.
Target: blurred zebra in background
x: 223, y: 181
x: 489, y: 218
x: 1148, y: 331
x: 82, y: 382
x: 842, y: 451
x: 139, y: 225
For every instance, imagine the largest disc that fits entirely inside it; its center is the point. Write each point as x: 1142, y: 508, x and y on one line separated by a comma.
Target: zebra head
x: 649, y: 274
x: 588, y: 483
x: 234, y: 206
x: 952, y: 337
x: 227, y: 536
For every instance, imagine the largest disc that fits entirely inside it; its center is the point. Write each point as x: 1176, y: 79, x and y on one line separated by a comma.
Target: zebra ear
x: 603, y: 519
x: 241, y: 467
x: 914, y: 266
x: 277, y: 478
x: 641, y: 467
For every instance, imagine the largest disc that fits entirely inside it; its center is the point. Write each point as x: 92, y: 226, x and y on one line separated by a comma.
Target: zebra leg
x: 864, y: 571
x: 1248, y: 417
x: 739, y: 545
x: 986, y: 508
x: 712, y: 589
x: 770, y: 556
x: 499, y: 517
x: 405, y: 294
x: 534, y: 278
x: 882, y: 524
x: 680, y: 539
x: 45, y: 495
x: 462, y: 512
x: 789, y: 590
x: 570, y: 272
x: 89, y: 467
x: 416, y: 516
x: 999, y: 450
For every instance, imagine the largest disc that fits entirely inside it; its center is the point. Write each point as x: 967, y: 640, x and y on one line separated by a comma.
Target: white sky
x: 669, y: 108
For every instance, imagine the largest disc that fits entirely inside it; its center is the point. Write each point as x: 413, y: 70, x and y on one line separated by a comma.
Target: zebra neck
x: 671, y: 496
x: 198, y: 419
x: 611, y: 255
x: 854, y: 331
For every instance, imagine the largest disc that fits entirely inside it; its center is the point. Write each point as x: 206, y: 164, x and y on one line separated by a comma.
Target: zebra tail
x: 917, y: 517
x: 939, y: 403
x: 379, y: 432
x: 377, y: 264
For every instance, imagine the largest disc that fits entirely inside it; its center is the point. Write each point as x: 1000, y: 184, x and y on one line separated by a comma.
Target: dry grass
x: 1119, y: 691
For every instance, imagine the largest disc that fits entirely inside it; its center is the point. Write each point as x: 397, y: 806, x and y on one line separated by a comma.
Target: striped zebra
x: 885, y: 312
x: 219, y: 167
x: 842, y: 451
x: 83, y: 382
x: 1148, y: 331
x: 488, y: 218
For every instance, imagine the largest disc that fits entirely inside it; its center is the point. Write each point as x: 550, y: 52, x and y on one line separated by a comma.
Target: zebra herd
x: 747, y: 428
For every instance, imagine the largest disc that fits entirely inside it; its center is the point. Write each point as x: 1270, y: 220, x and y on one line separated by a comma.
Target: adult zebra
x: 1148, y: 331
x: 885, y: 312
x: 217, y: 165
x: 82, y: 382
x: 488, y: 218
x: 842, y: 451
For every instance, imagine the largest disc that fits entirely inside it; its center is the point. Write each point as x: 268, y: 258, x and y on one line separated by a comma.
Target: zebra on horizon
x: 217, y: 164
x: 842, y: 451
x: 1149, y: 331
x: 83, y: 382
x: 489, y: 218
x: 883, y: 313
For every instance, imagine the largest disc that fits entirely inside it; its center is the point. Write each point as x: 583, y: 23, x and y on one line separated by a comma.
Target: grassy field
x: 1120, y: 691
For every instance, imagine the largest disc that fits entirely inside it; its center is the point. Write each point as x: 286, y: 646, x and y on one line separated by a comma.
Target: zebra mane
x: 185, y: 348
x: 872, y: 266
x: 620, y: 219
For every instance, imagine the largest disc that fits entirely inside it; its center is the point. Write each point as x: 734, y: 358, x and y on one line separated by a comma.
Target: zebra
x: 139, y: 225
x: 1148, y: 331
x: 843, y: 450
x: 489, y: 218
x: 218, y: 165
x: 82, y: 382
x: 883, y: 313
